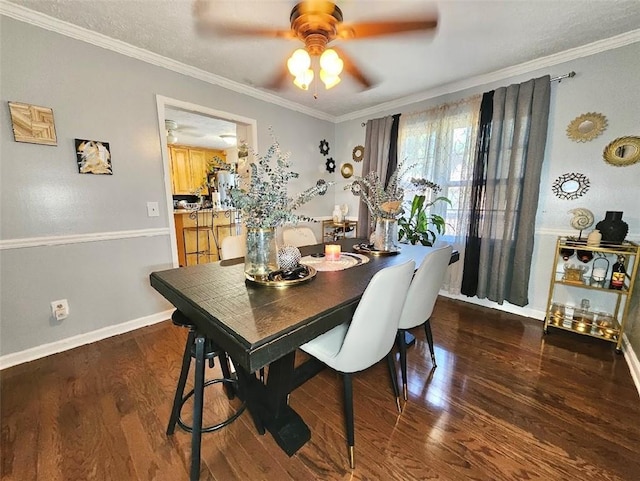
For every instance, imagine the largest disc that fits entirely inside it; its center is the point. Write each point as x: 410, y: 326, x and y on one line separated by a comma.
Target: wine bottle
x: 618, y: 274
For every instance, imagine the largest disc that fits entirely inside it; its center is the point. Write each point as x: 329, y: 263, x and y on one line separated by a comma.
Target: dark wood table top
x: 257, y: 325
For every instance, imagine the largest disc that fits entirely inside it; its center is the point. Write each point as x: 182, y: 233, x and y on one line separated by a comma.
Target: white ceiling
x: 474, y: 38
x: 198, y: 130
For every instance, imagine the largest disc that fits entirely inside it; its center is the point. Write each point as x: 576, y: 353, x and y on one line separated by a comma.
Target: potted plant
x: 265, y: 204
x: 420, y: 226
x: 384, y: 204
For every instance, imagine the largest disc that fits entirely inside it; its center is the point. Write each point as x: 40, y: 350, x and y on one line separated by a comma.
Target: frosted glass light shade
x: 299, y: 62
x: 304, y: 80
x: 331, y: 62
x: 328, y: 79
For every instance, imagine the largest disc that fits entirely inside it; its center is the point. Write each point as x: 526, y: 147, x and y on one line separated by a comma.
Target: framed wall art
x: 32, y: 124
x: 94, y: 157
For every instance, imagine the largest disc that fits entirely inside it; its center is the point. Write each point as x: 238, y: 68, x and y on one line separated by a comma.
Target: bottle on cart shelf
x: 618, y: 274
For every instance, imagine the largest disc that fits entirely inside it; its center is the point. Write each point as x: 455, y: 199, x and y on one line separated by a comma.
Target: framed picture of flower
x: 94, y: 157
x: 32, y: 124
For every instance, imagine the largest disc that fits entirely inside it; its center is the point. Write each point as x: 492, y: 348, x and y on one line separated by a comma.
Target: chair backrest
x: 374, y: 324
x: 233, y: 246
x: 424, y: 288
x: 299, y: 236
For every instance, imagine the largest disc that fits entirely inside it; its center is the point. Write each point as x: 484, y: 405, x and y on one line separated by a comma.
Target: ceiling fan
x: 316, y: 23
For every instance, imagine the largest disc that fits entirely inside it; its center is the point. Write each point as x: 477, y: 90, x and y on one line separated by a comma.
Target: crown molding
x: 46, y: 22
x: 479, y: 80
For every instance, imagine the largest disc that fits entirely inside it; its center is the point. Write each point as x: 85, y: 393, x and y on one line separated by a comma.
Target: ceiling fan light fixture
x: 303, y: 80
x: 229, y: 139
x: 299, y: 62
x: 171, y: 125
x: 328, y: 79
x: 331, y: 62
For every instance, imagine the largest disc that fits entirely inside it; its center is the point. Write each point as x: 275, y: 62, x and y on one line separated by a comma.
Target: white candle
x: 332, y: 252
x: 598, y: 274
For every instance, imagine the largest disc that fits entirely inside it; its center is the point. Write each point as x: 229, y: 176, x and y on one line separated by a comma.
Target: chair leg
x: 196, y: 434
x: 429, y: 334
x: 182, y: 380
x: 348, y: 415
x: 402, y: 349
x: 394, y: 379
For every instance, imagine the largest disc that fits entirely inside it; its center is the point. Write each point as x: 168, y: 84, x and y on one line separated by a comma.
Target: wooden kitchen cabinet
x: 189, y: 167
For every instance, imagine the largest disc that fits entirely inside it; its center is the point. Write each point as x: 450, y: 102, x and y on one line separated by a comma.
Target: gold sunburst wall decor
x: 358, y: 153
x: 586, y: 127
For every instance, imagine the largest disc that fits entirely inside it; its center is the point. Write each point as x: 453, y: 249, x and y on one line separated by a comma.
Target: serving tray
x: 365, y: 249
x: 280, y: 282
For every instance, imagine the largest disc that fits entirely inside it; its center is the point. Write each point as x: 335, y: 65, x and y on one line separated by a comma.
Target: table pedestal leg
x: 269, y: 408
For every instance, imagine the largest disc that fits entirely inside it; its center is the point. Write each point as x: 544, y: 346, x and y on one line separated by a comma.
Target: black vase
x: 613, y: 228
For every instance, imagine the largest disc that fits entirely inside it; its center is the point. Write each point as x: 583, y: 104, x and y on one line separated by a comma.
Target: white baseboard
x: 80, y: 340
x: 632, y: 360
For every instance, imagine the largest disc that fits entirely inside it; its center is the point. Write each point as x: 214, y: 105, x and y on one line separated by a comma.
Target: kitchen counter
x: 199, y: 242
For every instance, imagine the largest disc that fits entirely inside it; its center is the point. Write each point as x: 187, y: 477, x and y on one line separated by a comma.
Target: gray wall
x: 101, y: 95
x: 607, y: 83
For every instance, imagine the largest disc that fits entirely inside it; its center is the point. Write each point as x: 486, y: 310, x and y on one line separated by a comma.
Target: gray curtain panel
x: 376, y: 158
x: 516, y: 152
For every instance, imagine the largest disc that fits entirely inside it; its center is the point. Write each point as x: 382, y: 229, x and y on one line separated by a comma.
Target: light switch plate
x: 152, y: 209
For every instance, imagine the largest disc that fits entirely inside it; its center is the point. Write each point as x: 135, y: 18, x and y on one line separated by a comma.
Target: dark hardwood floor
x: 505, y: 403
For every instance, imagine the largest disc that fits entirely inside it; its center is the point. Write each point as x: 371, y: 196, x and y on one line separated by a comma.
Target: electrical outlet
x: 152, y: 209
x: 60, y: 309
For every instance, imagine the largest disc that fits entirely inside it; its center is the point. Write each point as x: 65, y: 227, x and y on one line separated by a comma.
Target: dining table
x: 262, y: 326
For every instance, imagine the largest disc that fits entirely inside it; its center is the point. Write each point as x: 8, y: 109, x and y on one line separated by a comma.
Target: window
x: 439, y: 145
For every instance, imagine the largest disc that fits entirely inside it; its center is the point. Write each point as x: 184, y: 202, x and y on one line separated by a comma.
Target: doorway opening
x: 206, y: 132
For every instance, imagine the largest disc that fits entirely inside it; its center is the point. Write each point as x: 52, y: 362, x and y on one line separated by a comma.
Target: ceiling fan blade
x: 279, y: 80
x: 375, y: 29
x: 204, y: 27
x: 206, y: 23
x: 352, y: 69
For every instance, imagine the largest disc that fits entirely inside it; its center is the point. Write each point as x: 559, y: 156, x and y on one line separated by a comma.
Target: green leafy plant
x: 420, y: 226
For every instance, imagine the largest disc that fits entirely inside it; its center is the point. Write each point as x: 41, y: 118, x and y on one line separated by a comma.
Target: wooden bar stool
x: 200, y: 348
x: 200, y: 233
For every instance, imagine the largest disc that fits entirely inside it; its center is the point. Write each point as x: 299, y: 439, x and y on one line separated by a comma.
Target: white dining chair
x: 420, y: 302
x: 299, y: 236
x: 369, y: 337
x: 233, y: 246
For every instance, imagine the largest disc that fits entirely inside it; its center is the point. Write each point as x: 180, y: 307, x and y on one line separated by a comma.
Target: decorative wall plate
x: 346, y: 170
x: 586, y: 127
x: 324, y: 147
x: 358, y: 153
x: 330, y: 165
x: 571, y: 185
x: 622, y: 151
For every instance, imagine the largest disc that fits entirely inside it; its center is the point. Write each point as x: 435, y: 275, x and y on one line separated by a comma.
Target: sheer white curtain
x: 440, y: 145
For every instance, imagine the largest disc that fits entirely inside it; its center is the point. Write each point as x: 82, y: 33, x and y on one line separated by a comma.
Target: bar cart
x: 581, y: 299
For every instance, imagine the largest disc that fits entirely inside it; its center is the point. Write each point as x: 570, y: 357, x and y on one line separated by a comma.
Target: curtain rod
x: 558, y: 79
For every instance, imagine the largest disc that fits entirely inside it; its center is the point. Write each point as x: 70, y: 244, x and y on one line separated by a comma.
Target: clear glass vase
x: 262, y: 254
x: 385, y: 237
